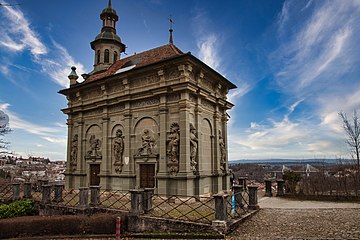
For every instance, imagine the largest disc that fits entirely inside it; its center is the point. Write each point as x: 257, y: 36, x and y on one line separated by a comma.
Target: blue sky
x: 296, y: 65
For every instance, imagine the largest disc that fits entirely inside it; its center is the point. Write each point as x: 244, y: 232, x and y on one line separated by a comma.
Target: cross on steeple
x: 171, y: 31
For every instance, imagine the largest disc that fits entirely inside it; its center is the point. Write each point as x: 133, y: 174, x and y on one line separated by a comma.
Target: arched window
x: 98, y: 57
x: 115, y: 56
x: 106, y: 56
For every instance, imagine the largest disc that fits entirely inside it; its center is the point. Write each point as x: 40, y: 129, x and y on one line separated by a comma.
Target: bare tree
x: 4, y: 144
x: 352, y: 129
x: 4, y: 129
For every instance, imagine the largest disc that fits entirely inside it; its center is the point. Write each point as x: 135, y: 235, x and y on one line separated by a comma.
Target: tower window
x: 98, y: 57
x: 115, y: 56
x: 106, y: 56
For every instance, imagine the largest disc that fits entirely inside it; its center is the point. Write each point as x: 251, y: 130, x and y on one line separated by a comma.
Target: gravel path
x: 289, y: 219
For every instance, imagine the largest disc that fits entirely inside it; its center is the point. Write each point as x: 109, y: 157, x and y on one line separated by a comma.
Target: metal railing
x: 6, y: 192
x: 188, y: 208
x: 237, y: 204
x: 223, y: 206
x: 119, y: 200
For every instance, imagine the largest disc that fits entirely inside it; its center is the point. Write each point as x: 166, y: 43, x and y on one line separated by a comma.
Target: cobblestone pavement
x: 289, y: 219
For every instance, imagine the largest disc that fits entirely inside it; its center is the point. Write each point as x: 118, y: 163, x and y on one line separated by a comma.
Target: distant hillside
x: 291, y: 161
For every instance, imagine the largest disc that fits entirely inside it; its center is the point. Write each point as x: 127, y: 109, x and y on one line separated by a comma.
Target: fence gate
x: 147, y: 175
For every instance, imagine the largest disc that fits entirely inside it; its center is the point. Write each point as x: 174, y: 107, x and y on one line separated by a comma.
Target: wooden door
x: 147, y: 175
x: 94, y: 172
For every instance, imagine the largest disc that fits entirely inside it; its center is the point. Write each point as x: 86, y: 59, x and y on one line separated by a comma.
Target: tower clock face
x: 4, y: 119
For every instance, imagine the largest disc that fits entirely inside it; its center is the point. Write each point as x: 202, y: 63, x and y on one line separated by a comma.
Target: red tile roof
x: 140, y: 60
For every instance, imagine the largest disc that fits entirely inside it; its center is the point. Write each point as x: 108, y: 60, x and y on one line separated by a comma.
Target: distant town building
x: 156, y: 119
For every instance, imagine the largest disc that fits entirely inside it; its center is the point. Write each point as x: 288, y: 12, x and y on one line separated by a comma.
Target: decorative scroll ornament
x: 118, y: 151
x: 173, y: 149
x: 193, y: 148
x: 74, y: 153
x: 222, y: 152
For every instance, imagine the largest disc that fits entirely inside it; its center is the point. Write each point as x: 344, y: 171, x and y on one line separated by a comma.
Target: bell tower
x: 107, y: 45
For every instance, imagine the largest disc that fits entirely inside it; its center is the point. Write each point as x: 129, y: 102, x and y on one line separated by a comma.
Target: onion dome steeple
x: 107, y: 45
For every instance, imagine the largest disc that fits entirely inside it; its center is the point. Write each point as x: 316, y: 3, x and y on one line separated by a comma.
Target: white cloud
x: 17, y: 122
x: 319, y: 48
x: 238, y: 92
x: 61, y: 141
x: 4, y: 70
x: 208, y: 50
x: 18, y: 36
x: 208, y: 42
x: 17, y: 33
x: 331, y: 105
x: 278, y: 135
x: 294, y: 105
x: 316, y: 64
x: 59, y: 65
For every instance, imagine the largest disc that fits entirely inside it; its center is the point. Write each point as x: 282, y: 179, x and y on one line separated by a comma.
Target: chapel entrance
x: 147, y: 175
x: 94, y: 174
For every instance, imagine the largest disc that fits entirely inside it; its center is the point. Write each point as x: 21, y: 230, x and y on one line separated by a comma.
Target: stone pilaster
x: 184, y: 159
x: 106, y: 142
x: 82, y: 144
x: 128, y: 154
x: 163, y: 111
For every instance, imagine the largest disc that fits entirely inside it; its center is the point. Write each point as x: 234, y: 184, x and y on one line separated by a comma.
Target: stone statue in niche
x: 173, y: 149
x: 147, y: 145
x: 74, y: 152
x: 95, y: 146
x: 193, y: 148
x: 118, y: 151
x: 222, y: 152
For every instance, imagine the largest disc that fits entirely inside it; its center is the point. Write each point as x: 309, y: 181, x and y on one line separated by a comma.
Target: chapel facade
x: 156, y: 119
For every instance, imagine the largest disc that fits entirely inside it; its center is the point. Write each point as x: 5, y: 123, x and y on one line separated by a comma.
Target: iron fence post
x: 16, y: 191
x: 268, y: 188
x: 83, y: 197
x: 46, y: 192
x: 58, y: 192
x: 94, y: 196
x: 27, y: 190
x: 136, y: 202
x: 280, y: 188
x: 253, y: 200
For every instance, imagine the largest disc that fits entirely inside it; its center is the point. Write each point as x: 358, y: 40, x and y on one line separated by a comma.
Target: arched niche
x: 149, y: 126
x: 93, y: 137
x: 207, y: 144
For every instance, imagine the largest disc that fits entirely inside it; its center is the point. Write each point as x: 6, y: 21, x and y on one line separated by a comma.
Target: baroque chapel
x: 156, y: 119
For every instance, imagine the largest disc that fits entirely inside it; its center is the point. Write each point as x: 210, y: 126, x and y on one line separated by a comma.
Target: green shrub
x: 17, y: 209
